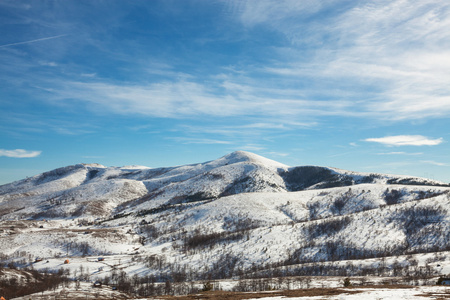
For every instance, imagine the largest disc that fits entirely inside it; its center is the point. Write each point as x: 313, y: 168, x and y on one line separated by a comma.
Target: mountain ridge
x: 238, y: 172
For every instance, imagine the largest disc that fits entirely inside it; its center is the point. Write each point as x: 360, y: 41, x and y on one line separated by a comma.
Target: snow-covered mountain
x: 98, y: 191
x: 241, y: 214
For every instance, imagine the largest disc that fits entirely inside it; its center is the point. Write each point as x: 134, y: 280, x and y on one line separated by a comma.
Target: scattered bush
x: 347, y: 282
x: 328, y: 227
x: 392, y: 196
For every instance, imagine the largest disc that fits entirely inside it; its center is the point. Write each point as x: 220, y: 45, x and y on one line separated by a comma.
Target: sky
x: 356, y: 85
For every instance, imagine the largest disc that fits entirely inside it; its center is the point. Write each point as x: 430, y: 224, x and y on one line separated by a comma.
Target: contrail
x: 33, y: 41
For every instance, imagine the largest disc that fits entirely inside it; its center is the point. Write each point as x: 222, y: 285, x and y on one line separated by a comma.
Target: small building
x: 443, y: 281
x: 101, y: 259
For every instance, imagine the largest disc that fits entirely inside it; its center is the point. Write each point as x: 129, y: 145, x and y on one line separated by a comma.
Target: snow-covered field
x: 421, y: 292
x: 86, y: 291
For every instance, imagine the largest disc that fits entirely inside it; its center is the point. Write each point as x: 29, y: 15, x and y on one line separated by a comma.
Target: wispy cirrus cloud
x: 372, y: 60
x: 395, y: 54
x: 188, y: 140
x: 384, y: 60
x: 19, y: 153
x: 48, y: 63
x: 184, y: 99
x: 406, y: 140
x: 251, y: 147
x: 28, y: 123
x: 282, y: 154
x: 277, y: 13
x: 435, y: 163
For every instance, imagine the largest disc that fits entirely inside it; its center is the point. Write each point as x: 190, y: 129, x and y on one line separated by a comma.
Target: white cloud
x: 166, y: 99
x: 431, y: 162
x: 279, y: 154
x: 400, y: 153
x: 71, y: 131
x: 19, y: 153
x: 406, y: 140
x: 265, y: 126
x: 187, y: 140
x: 251, y: 147
x: 276, y: 13
x: 90, y: 75
x: 48, y: 63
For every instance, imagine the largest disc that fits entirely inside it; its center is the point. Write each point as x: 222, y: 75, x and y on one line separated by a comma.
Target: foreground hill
x: 241, y: 215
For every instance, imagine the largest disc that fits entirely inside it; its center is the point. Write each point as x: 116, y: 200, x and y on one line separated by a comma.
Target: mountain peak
x: 93, y: 165
x: 239, y: 156
x: 244, y: 156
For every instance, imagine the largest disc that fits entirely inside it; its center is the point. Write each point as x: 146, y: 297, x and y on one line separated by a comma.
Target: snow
x: 92, y: 210
x: 422, y: 292
x: 85, y: 291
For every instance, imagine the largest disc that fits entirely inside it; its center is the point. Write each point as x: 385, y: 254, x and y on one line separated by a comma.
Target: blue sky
x: 357, y: 85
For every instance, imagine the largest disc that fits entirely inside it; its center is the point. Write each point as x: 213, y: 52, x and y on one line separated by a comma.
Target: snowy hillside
x: 241, y: 215
x: 98, y: 191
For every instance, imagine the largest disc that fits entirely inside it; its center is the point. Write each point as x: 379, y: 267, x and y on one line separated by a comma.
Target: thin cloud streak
x: 400, y: 153
x: 279, y: 154
x: 187, y: 140
x: 33, y: 41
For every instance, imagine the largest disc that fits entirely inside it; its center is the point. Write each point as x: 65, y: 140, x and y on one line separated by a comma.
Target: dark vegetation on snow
x: 412, y: 181
x: 300, y: 178
x: 28, y: 281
